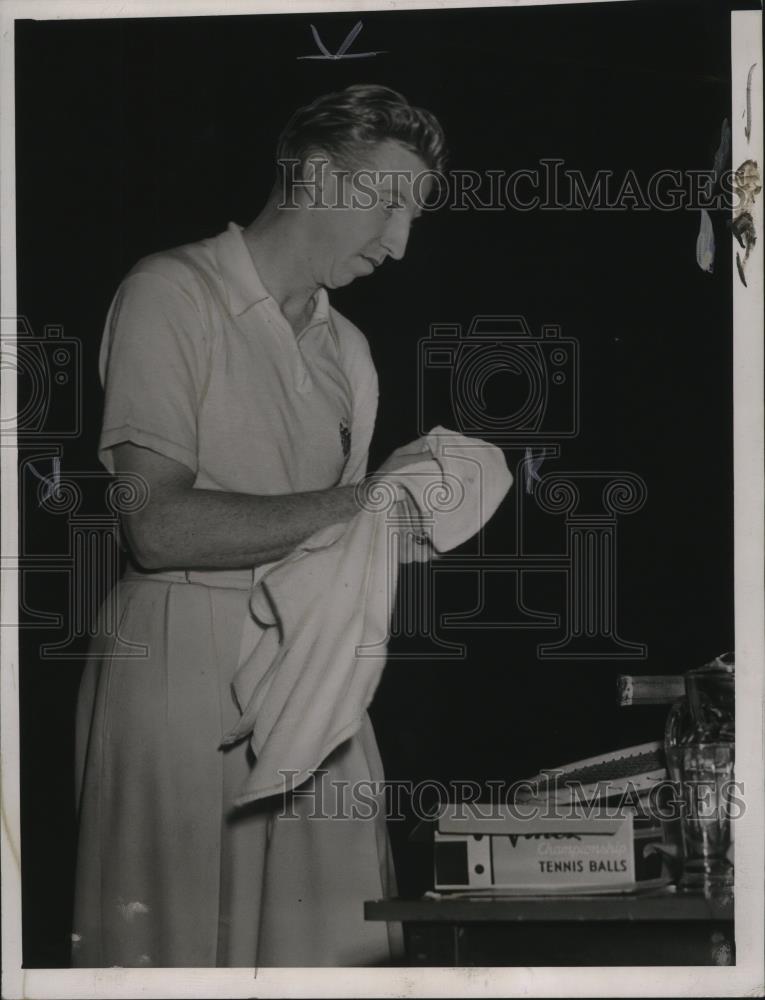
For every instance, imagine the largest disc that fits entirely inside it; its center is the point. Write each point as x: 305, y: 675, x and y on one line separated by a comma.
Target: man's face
x: 372, y: 210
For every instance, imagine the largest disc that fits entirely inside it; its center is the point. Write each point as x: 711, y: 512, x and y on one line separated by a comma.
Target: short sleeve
x: 153, y: 365
x: 362, y: 376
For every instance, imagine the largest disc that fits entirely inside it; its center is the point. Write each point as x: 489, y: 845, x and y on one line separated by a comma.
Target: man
x: 247, y: 404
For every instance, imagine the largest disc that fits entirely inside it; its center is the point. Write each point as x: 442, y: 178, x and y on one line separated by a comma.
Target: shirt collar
x: 320, y: 312
x: 243, y: 283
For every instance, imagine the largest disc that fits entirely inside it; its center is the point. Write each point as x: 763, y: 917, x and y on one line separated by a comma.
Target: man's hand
x: 398, y: 461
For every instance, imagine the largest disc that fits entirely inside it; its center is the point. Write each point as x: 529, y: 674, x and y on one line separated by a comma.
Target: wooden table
x: 664, y: 928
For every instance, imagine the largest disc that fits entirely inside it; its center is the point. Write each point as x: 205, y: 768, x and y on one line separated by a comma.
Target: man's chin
x: 346, y: 278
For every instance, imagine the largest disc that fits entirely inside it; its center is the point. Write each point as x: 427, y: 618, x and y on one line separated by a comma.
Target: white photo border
x: 747, y: 977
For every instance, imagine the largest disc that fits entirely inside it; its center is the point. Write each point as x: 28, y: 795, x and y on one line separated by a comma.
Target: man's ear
x: 317, y: 175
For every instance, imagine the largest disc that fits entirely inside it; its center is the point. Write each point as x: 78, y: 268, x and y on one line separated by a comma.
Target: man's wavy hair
x: 348, y: 123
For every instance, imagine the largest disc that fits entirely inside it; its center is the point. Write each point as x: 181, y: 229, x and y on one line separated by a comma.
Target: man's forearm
x: 207, y: 529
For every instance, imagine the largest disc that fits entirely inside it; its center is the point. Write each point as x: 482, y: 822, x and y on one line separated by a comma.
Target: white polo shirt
x: 199, y: 364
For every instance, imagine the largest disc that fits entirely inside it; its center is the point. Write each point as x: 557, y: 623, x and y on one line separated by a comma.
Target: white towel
x: 309, y: 672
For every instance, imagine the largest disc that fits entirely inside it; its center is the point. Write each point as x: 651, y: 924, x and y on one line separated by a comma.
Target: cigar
x: 649, y: 689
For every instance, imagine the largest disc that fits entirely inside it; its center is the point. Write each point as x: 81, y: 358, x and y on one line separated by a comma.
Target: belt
x: 230, y: 579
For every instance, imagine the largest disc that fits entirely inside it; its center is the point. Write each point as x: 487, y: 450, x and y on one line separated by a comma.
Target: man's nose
x: 395, y: 237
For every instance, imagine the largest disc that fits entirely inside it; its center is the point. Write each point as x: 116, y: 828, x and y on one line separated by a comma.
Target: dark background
x: 137, y: 135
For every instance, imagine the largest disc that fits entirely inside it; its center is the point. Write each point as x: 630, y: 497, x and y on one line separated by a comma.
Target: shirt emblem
x: 345, y: 438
